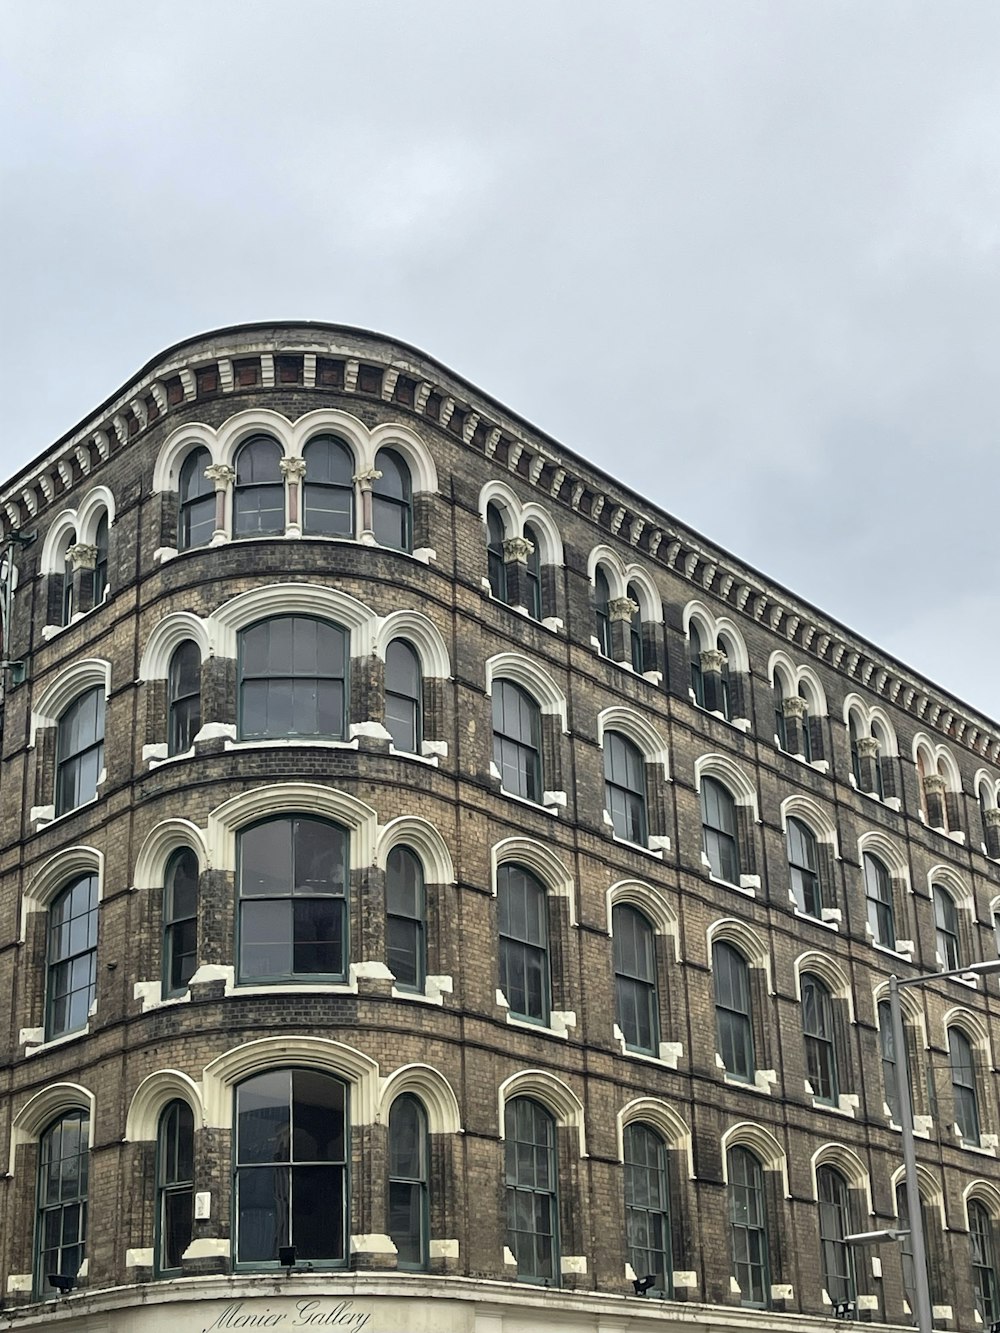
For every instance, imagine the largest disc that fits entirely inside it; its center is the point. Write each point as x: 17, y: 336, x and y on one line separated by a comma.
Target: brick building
x: 426, y: 861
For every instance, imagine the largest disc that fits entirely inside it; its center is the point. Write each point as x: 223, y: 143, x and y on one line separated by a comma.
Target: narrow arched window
x: 806, y: 725
x: 836, y: 1257
x: 803, y: 868
x: 72, y: 957
x: 602, y: 611
x: 636, y: 1006
x: 259, y: 497
x: 522, y: 911
x: 963, y: 1086
x: 697, y: 672
x: 406, y: 931
x: 780, y: 722
x: 946, y: 928
x: 530, y: 1177
x: 328, y: 492
x: 748, y: 1227
x: 625, y: 788
x: 718, y: 819
x: 725, y: 685
x: 533, y: 574
x: 80, y: 751
x: 878, y: 894
x: 647, y: 1207
x: 292, y: 876
x: 817, y: 1028
x: 881, y: 759
x: 402, y: 696
x: 293, y: 679
x: 927, y: 1218
x: 854, y: 736
x: 291, y: 1151
x: 68, y: 593
x: 183, y: 697
x: 984, y: 1263
x: 408, y: 1216
x: 196, y: 497
x: 635, y: 631
x: 101, y: 545
x: 517, y: 740
x: 732, y: 1011
x: 61, y: 1227
x: 180, y: 921
x: 496, y: 559
x: 890, y: 1063
x: 392, y: 502
x: 174, y: 1186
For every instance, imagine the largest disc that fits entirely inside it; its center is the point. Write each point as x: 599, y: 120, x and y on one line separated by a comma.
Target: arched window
x: 697, y: 674
x: 496, y: 559
x: 293, y: 679
x: 725, y: 687
x: 392, y: 502
x: 174, y: 1186
x: 72, y: 957
x: 963, y: 1085
x: 635, y: 631
x: 806, y: 724
x: 533, y: 574
x: 718, y: 822
x: 647, y: 1207
x: 530, y: 1177
x: 602, y: 611
x: 402, y: 696
x: 328, y: 493
x: 780, y: 727
x: 517, y: 740
x: 878, y: 893
x: 946, y: 926
x: 184, y: 697
x: 625, y: 787
x: 259, y: 500
x: 61, y: 1229
x: 196, y: 497
x: 854, y: 736
x: 636, y: 1005
x: 406, y: 942
x: 803, y: 868
x: 522, y: 909
x: 880, y: 734
x: 732, y: 1010
x: 817, y: 1028
x: 906, y: 1244
x: 180, y: 921
x: 890, y: 1064
x: 293, y: 900
x: 984, y: 1263
x: 408, y: 1219
x: 100, y: 585
x: 834, y: 1224
x: 291, y: 1167
x: 68, y: 595
x: 80, y: 751
x: 748, y: 1227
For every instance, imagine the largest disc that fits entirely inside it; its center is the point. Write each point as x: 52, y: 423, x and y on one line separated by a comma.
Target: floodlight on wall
x: 643, y: 1284
x: 844, y: 1309
x: 286, y: 1257
x: 63, y: 1282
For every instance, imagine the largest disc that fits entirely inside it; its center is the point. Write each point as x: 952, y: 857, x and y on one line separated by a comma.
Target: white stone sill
x: 551, y: 810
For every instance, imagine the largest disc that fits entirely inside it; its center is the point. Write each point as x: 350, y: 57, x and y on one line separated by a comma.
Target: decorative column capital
x: 794, y: 706
x: 991, y: 816
x: 868, y: 747
x: 221, y: 474
x: 622, y: 608
x: 934, y: 782
x: 367, y: 478
x: 293, y: 469
x: 518, y: 549
x: 82, y: 556
x: 713, y: 659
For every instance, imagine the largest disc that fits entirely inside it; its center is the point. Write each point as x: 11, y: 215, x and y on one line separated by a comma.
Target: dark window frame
x: 803, y: 868
x: 391, y: 510
x: 733, y: 997
x: 819, y: 1034
x: 524, y: 948
x: 748, y: 1227
x: 183, y: 697
x: 71, y: 764
x: 180, y: 923
x: 406, y: 921
x: 880, y: 901
x: 174, y: 1185
x: 315, y: 490
x: 529, y: 1194
x: 625, y: 788
x: 517, y: 750
x: 71, y: 1202
x: 405, y: 696
x: 648, y: 1235
x: 71, y: 967
x: 637, y: 1005
x: 720, y: 838
x: 248, y: 520
x: 195, y: 502
x: 271, y: 624
x: 410, y: 1188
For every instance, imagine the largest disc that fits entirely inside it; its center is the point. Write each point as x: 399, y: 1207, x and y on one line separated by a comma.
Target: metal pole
x: 923, y: 1312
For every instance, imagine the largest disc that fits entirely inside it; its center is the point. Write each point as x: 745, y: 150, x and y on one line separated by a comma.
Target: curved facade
x: 433, y: 873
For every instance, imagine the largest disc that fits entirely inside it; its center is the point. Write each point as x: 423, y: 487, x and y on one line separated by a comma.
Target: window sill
x: 560, y: 1020
x: 283, y: 742
x: 53, y: 1042
x: 662, y: 845
x: 40, y: 815
x: 922, y: 1124
x: 50, y: 632
x: 551, y: 810
x: 150, y: 996
x: 761, y: 1082
x: 893, y: 953
x: 748, y: 890
x: 987, y: 1147
x: 670, y: 1052
x: 434, y: 991
x: 430, y: 760
x: 847, y: 1104
x: 828, y: 923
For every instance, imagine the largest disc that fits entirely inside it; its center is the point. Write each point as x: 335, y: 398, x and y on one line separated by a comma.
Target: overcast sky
x: 741, y: 255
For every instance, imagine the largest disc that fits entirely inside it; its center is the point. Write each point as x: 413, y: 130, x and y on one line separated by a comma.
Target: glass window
x: 780, y: 722
x: 68, y: 596
x: 602, y: 611
x: 647, y: 1207
x: 881, y: 759
x: 533, y: 574
x: 328, y: 493
x: 61, y: 1229
x: 80, y: 751
x: 180, y: 921
x: 174, y: 1186
x: 890, y: 1065
x: 402, y: 696
x: 635, y: 632
x: 984, y: 1263
x: 392, y: 504
x: 806, y: 724
x: 732, y: 1011
x: 496, y: 560
x: 530, y: 1178
x: 718, y: 816
x: 293, y: 899
x: 184, y: 697
x: 259, y: 497
x: 522, y: 909
x: 625, y: 787
x: 517, y: 740
x: 406, y: 946
x: 724, y: 683
x: 906, y: 1245
x: 803, y: 868
x: 946, y: 923
x: 855, y: 736
x: 834, y: 1224
x: 878, y: 892
x: 963, y: 1082
x: 291, y: 1166
x: 101, y: 560
x: 72, y: 957
x: 293, y: 679
x: 817, y: 1027
x: 636, y: 1006
x: 196, y: 497
x: 697, y: 674
x: 408, y: 1181
x: 748, y: 1227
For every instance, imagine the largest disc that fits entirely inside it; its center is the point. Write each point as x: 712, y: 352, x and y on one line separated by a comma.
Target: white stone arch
x: 555, y: 1095
x: 830, y: 972
x: 931, y: 1193
x: 701, y: 616
x: 431, y: 1089
x: 782, y: 670
x: 848, y: 1163
x: 175, y: 449
x: 745, y: 939
x: 154, y: 1093
x: 972, y: 1027
x: 411, y: 448
x: 32, y: 1119
x: 649, y: 600
x: 950, y: 879
x: 55, y: 874
x: 62, y: 534
x: 986, y: 784
x: 913, y: 1014
x: 819, y: 822
x: 985, y: 1192
x: 166, y: 637
x: 424, y: 636
x: 812, y: 687
x: 530, y: 676
x: 550, y: 541
x: 291, y: 798
x: 160, y: 843
x: 731, y: 641
x: 421, y: 837
x: 97, y: 502
x: 652, y: 902
x: 764, y: 1146
x: 639, y: 730
x: 662, y: 1117
x: 239, y: 428
x: 884, y: 732
x: 330, y: 421
x: 541, y: 861
x: 604, y: 557
x: 888, y: 852
x: 732, y: 777
x: 223, y: 1073
x: 282, y: 599
x: 56, y: 697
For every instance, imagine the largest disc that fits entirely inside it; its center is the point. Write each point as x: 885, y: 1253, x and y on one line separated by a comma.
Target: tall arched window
x: 293, y: 679
x: 292, y: 1159
x: 522, y: 910
x: 963, y: 1085
x: 496, y: 559
x: 836, y: 1257
x: 635, y: 631
x: 880, y: 734
x: 602, y: 611
x: 68, y: 594
x: 733, y: 1011
x: 259, y: 498
x: 183, y: 697
x: 408, y: 1219
x: 533, y: 574
x: 906, y: 1245
x: 328, y: 490
x: 818, y: 1030
x: 80, y: 751
x: 780, y: 727
x: 636, y: 1006
x: 517, y: 740
x: 72, y: 958
x: 392, y: 502
x: 531, y: 1178
x: 748, y: 1227
x: 174, y: 1186
x: 625, y: 787
x: 984, y: 1263
x: 854, y: 735
x: 293, y: 875
x: 890, y: 1063
x: 697, y: 674
x: 180, y: 921
x: 196, y: 497
x: 405, y: 930
x: 718, y: 820
x: 61, y: 1228
x: 647, y: 1207
x: 402, y: 696
x: 878, y: 893
x: 803, y: 868
x: 101, y: 546
x: 946, y: 929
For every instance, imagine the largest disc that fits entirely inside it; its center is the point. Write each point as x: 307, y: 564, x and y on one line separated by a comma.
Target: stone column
x: 620, y: 613
x: 83, y: 558
x: 293, y: 470
x: 991, y: 818
x: 868, y: 763
x: 515, y: 553
x: 223, y: 476
x: 364, y: 481
x: 712, y: 662
x: 794, y: 709
x: 934, y: 801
